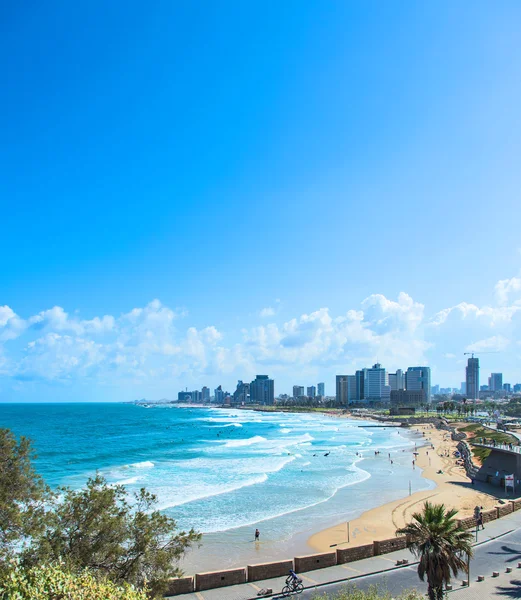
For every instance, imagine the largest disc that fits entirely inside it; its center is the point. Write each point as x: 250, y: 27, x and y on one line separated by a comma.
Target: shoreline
x: 452, y: 488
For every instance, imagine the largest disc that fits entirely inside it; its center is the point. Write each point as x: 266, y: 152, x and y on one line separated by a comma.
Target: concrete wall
x: 516, y: 504
x: 314, y: 561
x: 345, y: 555
x: 215, y: 579
x: 504, y: 510
x: 181, y: 585
x: 389, y: 545
x: 269, y: 570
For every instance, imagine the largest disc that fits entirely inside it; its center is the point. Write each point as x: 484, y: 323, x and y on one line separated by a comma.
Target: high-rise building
x: 219, y: 395
x: 262, y: 390
x: 507, y: 387
x: 472, y: 378
x: 311, y: 391
x: 517, y: 387
x: 360, y: 385
x: 205, y: 392
x: 242, y: 393
x: 435, y: 389
x: 396, y: 380
x: 376, y: 388
x: 298, y: 391
x: 341, y: 390
x: 463, y: 387
x: 495, y: 382
x: 321, y: 389
x: 418, y: 379
x: 351, y: 389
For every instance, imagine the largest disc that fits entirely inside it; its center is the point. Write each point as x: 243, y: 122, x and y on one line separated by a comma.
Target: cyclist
x: 292, y: 579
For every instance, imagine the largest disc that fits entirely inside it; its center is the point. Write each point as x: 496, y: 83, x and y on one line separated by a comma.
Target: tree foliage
x: 22, y: 495
x: 117, y: 538
x: 54, y: 583
x: 441, y: 545
x: 98, y: 528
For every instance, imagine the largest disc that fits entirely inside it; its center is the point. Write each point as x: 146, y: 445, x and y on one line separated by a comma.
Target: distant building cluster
x: 260, y: 391
x: 375, y: 386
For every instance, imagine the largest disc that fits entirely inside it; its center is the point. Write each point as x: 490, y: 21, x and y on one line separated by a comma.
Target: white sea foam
x: 257, y: 439
x: 146, y: 464
x: 285, y: 430
x: 170, y: 497
x: 227, y: 425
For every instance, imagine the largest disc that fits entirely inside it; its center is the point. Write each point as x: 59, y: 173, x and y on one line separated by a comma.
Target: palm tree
x: 439, y: 542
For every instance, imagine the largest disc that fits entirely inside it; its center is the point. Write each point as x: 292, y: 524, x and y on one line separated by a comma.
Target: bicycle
x: 293, y: 585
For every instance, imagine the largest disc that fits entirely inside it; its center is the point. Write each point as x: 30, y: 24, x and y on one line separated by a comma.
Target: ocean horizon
x: 226, y: 472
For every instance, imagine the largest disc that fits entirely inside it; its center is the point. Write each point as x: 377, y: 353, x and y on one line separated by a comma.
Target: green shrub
x: 53, y: 583
x: 374, y: 592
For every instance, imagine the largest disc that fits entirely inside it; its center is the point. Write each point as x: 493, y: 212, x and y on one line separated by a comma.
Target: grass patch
x: 478, y: 431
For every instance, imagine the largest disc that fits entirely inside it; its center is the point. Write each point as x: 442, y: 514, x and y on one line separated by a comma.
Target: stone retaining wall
x: 314, y: 561
x: 216, y: 579
x: 180, y: 585
x: 269, y: 570
x: 504, y: 510
x: 490, y: 515
x: 389, y: 545
x: 345, y: 555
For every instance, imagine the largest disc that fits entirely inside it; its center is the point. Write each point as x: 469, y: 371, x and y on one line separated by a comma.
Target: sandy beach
x: 453, y: 488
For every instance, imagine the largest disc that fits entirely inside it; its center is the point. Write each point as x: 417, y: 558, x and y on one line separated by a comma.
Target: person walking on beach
x: 257, y: 535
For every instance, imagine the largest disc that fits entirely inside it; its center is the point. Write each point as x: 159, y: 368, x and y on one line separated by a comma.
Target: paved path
x: 499, y: 546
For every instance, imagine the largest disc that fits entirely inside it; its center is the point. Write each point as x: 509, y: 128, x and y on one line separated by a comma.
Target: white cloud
x: 147, y: 343
x: 495, y: 343
x: 507, y: 287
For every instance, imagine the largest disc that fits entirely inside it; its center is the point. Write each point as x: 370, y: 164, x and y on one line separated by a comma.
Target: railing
x: 498, y: 446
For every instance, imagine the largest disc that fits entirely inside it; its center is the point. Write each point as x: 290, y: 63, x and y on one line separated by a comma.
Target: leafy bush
x: 374, y: 592
x: 54, y: 583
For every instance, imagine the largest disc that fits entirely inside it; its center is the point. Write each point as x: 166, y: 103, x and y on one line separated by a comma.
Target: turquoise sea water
x: 225, y: 472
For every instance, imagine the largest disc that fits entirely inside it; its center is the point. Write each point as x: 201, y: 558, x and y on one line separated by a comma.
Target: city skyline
x: 195, y: 197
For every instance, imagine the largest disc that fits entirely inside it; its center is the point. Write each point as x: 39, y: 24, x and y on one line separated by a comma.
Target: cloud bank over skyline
x: 153, y: 351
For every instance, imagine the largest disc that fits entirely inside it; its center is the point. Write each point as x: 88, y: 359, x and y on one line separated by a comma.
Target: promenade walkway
x: 499, y: 546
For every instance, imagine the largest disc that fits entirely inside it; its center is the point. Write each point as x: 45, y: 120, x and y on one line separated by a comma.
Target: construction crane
x: 484, y: 352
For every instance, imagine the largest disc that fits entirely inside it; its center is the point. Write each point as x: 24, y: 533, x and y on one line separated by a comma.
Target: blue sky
x: 193, y: 193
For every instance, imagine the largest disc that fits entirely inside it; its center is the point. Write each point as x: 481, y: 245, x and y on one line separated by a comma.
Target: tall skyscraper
x: 417, y: 379
x: 262, y: 390
x: 321, y: 389
x: 376, y: 388
x: 463, y: 387
x: 351, y: 389
x: 360, y: 385
x: 396, y: 380
x: 205, y: 394
x: 472, y: 378
x: 242, y: 393
x: 298, y: 391
x: 311, y: 391
x: 219, y: 395
x: 341, y: 390
x: 495, y: 382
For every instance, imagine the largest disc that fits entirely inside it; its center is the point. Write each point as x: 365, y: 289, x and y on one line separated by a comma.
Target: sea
x: 226, y: 472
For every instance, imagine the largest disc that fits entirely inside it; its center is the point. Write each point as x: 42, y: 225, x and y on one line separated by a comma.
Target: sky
x: 192, y: 193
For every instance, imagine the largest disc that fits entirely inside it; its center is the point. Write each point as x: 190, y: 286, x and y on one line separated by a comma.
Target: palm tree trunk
x: 431, y: 592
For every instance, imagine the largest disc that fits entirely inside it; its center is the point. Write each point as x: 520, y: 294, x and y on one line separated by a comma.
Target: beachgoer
x: 257, y: 535
x: 480, y: 520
